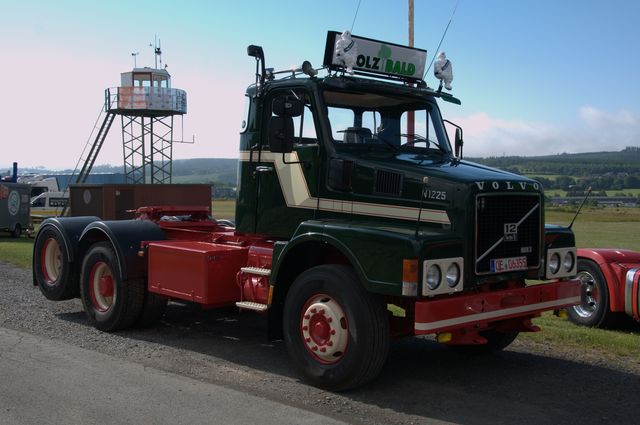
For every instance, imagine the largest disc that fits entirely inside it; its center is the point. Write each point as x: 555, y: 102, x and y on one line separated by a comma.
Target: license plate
x: 499, y: 265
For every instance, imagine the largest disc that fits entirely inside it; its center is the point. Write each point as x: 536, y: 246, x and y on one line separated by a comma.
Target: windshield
x: 374, y: 120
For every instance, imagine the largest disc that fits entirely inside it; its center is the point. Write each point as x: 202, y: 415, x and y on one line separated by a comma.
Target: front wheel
x: 110, y: 302
x: 593, y: 309
x: 336, y: 333
x: 17, y: 231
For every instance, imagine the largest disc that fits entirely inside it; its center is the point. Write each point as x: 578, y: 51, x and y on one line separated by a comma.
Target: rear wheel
x: 110, y: 302
x: 593, y: 309
x: 336, y: 333
x: 54, y: 274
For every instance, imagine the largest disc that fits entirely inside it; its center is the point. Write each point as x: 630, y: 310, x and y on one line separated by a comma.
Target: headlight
x: 433, y: 277
x: 568, y: 261
x: 453, y: 275
x: 554, y: 263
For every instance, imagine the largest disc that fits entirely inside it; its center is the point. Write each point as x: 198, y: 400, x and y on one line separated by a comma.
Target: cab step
x: 248, y: 305
x: 256, y: 270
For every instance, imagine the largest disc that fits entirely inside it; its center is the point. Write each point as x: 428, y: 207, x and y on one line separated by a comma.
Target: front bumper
x: 479, y: 310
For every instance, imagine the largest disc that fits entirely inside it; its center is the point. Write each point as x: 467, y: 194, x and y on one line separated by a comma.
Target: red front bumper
x: 481, y: 309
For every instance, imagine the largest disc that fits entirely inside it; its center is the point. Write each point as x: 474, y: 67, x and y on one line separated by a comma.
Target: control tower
x: 146, y: 104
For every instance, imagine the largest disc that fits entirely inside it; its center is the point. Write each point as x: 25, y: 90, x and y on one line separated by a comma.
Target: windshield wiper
x: 419, y: 138
x: 388, y: 143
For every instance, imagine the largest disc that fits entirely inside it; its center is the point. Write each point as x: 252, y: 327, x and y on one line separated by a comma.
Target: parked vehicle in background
x: 48, y: 204
x: 610, y: 287
x: 14, y: 208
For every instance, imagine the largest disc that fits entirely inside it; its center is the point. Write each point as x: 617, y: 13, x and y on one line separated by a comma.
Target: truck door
x: 287, y: 185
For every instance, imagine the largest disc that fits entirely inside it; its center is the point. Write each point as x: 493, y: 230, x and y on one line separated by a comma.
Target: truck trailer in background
x: 14, y: 208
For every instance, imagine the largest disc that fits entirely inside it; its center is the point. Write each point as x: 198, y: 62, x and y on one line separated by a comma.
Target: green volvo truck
x: 357, y: 221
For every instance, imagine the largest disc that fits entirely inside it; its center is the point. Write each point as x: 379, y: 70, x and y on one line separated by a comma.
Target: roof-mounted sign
x: 351, y: 52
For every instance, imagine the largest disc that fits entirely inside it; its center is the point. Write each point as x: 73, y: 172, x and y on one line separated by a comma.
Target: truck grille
x: 507, y: 227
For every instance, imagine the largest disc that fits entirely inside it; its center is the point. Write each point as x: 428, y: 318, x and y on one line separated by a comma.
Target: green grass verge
x: 224, y: 208
x: 601, y: 227
x: 561, y: 332
x: 16, y: 251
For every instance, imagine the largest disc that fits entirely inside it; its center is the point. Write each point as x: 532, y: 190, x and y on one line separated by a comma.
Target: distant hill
x: 220, y: 171
x: 601, y: 170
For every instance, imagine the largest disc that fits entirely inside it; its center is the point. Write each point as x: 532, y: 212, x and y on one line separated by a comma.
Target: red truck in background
x: 610, y: 286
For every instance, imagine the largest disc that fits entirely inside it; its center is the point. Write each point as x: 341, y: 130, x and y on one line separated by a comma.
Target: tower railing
x: 163, y: 100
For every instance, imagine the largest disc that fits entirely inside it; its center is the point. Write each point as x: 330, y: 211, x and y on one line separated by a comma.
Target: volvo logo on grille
x: 511, y: 232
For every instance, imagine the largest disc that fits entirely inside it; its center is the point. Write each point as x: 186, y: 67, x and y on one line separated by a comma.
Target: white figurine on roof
x: 346, y: 51
x: 443, y: 70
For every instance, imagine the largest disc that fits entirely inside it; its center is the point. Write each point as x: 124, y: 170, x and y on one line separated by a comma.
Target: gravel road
x: 422, y: 382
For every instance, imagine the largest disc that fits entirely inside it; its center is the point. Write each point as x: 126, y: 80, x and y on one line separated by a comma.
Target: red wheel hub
x: 105, y: 286
x: 320, y: 329
x: 101, y: 287
x: 324, y: 329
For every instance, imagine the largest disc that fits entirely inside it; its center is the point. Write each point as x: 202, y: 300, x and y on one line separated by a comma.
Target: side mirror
x: 287, y: 107
x: 281, y: 134
x: 459, y: 143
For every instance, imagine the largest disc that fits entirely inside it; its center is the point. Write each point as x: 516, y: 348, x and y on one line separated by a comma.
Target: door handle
x: 263, y: 169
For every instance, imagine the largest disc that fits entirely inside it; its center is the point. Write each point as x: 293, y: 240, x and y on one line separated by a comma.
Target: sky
x: 535, y: 77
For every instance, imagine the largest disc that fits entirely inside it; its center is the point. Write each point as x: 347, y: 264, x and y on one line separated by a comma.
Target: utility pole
x: 411, y: 127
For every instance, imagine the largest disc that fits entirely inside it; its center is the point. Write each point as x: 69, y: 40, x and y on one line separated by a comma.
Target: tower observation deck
x: 146, y: 103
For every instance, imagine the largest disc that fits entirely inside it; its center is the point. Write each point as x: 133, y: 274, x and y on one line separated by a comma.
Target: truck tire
x: 336, y: 333
x: 54, y: 274
x: 110, y: 302
x: 593, y: 309
x: 152, y: 309
x: 17, y: 231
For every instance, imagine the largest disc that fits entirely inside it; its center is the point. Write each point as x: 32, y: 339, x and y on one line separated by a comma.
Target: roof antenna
x: 442, y: 39
x: 581, y: 205
x: 355, y: 16
x: 135, y: 62
x: 156, y: 50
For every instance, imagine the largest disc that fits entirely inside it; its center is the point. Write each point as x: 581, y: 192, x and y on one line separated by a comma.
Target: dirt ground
x: 422, y: 381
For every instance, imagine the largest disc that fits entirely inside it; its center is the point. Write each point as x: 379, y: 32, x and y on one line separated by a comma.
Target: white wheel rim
x: 324, y: 328
x: 52, y: 261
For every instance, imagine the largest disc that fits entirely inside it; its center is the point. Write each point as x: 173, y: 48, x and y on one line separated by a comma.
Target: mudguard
x: 616, y: 266
x: 125, y: 236
x: 71, y: 229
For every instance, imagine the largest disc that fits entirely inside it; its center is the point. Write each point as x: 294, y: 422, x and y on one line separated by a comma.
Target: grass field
x: 595, y: 228
x: 16, y: 251
x: 602, y: 227
x: 224, y: 208
x: 627, y: 192
x: 608, y: 342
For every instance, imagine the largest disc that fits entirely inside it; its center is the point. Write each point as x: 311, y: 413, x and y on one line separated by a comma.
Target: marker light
x: 410, y: 277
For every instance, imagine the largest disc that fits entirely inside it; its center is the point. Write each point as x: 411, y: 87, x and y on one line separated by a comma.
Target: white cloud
x: 603, y: 119
x: 603, y: 131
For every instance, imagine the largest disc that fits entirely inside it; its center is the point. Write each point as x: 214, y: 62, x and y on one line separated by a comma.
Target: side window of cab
x: 302, y: 121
